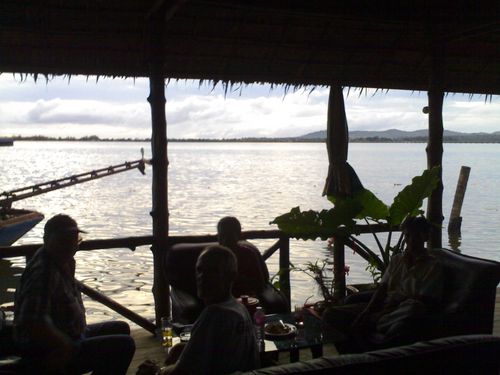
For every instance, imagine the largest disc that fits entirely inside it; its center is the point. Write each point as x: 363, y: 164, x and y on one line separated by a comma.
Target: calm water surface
x: 253, y: 181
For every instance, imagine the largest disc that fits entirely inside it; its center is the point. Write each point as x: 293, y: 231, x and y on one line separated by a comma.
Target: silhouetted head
x: 416, y: 232
x: 61, y: 236
x: 228, y: 231
x: 216, y: 270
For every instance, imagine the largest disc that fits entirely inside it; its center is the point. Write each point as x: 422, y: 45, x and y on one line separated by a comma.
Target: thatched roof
x: 362, y: 43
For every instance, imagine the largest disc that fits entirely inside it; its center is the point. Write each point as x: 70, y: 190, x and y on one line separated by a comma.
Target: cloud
x: 118, y: 108
x: 84, y: 117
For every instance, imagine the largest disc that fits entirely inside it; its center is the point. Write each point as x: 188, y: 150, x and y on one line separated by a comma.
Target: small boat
x: 6, y: 142
x: 14, y: 223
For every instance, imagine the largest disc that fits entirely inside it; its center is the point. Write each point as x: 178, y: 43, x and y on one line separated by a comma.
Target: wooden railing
x: 282, y: 245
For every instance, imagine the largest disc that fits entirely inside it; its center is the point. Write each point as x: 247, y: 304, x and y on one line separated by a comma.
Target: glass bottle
x: 259, y: 319
x: 166, y: 332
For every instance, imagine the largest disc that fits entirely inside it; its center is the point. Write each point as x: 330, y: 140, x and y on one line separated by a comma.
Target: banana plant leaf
x: 372, y: 207
x: 362, y: 204
x: 410, y: 199
x: 309, y: 225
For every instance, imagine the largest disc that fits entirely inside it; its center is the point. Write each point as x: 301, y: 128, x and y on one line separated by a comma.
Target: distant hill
x: 394, y: 135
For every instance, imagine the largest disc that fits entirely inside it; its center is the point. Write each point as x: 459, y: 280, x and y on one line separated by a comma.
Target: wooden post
x: 285, y: 267
x: 435, y: 158
x: 339, y: 287
x: 455, y: 219
x: 435, y: 149
x: 160, y: 166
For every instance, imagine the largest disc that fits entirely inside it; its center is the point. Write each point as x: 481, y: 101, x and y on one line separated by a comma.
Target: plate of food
x: 279, y: 330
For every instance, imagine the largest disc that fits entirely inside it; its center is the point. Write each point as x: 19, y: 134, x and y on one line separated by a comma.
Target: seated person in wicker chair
x: 252, y: 272
x: 222, y: 338
x: 411, y: 290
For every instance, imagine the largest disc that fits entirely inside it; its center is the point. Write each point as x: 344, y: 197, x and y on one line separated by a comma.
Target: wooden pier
x: 148, y: 346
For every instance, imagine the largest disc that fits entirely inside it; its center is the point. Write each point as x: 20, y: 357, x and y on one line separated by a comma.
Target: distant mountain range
x: 394, y: 135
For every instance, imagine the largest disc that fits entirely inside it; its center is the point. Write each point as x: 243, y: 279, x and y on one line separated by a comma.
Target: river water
x: 252, y: 181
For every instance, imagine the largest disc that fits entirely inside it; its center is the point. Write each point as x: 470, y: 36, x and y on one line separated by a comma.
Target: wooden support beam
x: 435, y: 141
x: 435, y: 158
x: 160, y: 167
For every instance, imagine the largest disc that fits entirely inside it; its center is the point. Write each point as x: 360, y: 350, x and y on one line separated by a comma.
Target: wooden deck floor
x: 148, y: 347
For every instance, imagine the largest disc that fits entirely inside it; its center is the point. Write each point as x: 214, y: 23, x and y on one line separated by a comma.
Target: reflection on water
x: 255, y: 182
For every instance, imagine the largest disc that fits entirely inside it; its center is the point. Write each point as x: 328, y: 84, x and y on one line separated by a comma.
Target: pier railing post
x: 285, y: 266
x: 339, y: 284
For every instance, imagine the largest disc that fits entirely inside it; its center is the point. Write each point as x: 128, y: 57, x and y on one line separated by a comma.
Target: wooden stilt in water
x: 455, y: 222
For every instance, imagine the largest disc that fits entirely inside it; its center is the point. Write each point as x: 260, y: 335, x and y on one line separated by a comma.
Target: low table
x: 309, y: 336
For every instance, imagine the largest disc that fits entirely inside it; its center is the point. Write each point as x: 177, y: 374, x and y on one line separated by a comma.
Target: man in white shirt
x: 222, y: 339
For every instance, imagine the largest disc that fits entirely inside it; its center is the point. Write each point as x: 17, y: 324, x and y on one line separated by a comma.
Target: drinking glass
x: 166, y: 331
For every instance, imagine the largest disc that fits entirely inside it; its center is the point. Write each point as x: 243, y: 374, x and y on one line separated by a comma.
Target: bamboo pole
x: 45, y: 187
x: 160, y: 167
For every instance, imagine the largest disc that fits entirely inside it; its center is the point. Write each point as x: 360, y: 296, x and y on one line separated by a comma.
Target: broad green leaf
x: 363, y: 204
x: 410, y: 199
x: 310, y: 224
x: 373, y: 207
x: 305, y: 225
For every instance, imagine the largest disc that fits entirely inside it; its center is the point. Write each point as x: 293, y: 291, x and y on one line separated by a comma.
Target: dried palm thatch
x: 361, y: 43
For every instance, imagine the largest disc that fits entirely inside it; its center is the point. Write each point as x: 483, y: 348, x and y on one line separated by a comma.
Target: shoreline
x: 248, y: 140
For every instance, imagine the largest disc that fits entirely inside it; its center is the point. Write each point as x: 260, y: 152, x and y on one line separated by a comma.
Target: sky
x: 118, y: 108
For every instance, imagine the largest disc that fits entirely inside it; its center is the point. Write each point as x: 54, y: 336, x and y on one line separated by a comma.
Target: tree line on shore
x: 462, y: 138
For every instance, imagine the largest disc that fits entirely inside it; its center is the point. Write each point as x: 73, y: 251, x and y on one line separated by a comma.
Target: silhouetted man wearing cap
x: 49, y: 317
